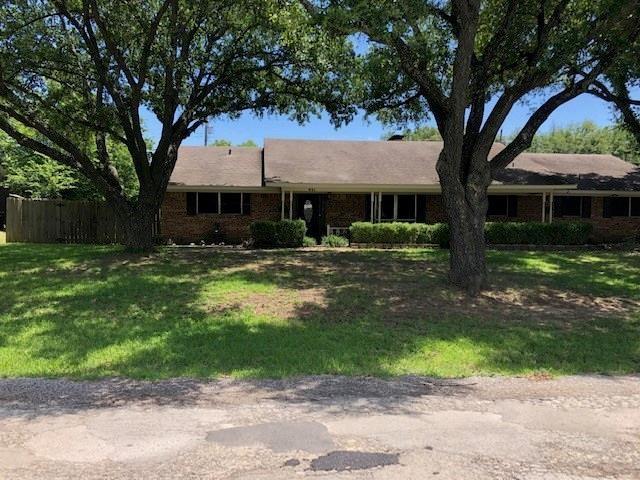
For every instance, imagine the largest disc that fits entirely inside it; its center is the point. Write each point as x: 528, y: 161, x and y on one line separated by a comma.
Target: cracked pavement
x: 583, y: 427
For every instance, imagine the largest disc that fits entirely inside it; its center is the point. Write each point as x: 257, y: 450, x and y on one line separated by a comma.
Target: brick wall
x: 608, y: 229
x: 177, y: 225
x: 344, y: 209
x: 529, y: 210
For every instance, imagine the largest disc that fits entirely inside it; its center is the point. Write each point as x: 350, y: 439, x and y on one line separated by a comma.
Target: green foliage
x: 280, y: 234
x: 309, y: 242
x: 264, y: 234
x: 221, y: 142
x: 588, y: 138
x: 438, y: 234
x: 335, y: 241
x: 534, y: 233
x: 290, y: 233
x: 76, y: 78
x: 33, y: 175
x: 507, y: 233
x: 400, y: 233
x: 426, y: 133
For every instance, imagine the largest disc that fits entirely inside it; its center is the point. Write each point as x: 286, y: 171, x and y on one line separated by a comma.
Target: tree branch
x: 523, y: 139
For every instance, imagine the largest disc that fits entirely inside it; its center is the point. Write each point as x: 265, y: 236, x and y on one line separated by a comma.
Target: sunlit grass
x: 93, y: 311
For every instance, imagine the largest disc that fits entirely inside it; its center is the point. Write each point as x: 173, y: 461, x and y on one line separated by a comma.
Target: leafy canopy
x: 75, y: 76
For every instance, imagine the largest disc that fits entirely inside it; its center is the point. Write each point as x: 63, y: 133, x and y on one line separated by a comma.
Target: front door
x: 310, y: 208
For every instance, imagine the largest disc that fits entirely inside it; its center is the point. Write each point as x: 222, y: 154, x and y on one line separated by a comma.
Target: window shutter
x: 558, y: 204
x: 421, y: 211
x: 192, y: 203
x: 586, y: 207
x: 512, y: 206
x: 606, y: 207
x: 246, y: 204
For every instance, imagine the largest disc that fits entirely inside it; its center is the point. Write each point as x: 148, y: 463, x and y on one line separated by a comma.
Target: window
x: 572, y: 206
x: 503, y: 206
x: 635, y: 206
x: 218, y: 202
x: 406, y: 207
x: 207, y: 203
x: 619, y: 207
x: 569, y: 206
x: 387, y: 207
x: 400, y: 207
x: 231, y: 202
x: 498, y: 205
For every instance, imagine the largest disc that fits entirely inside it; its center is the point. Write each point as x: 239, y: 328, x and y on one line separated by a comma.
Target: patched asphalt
x: 278, y: 436
x: 342, y: 460
x: 409, y: 428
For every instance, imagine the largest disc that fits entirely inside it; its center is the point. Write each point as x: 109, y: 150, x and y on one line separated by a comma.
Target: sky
x: 585, y: 107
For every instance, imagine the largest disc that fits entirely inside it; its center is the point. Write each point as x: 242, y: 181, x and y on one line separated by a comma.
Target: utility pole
x: 206, y: 132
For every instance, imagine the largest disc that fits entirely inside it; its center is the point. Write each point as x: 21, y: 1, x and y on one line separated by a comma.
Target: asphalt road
x: 322, y: 427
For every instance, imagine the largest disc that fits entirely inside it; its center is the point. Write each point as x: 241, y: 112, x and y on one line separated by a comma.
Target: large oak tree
x: 466, y: 64
x: 72, y: 70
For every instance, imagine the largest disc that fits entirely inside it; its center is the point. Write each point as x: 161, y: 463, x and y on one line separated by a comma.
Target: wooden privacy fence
x: 60, y: 221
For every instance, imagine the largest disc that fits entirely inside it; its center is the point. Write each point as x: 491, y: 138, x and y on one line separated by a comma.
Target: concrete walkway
x: 322, y: 427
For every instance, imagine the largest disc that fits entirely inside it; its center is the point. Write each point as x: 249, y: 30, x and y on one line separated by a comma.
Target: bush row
x: 535, y: 233
x: 508, y: 233
x: 281, y: 234
x: 397, y: 232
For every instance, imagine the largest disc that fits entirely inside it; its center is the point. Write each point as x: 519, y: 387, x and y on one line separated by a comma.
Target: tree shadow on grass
x: 99, y: 313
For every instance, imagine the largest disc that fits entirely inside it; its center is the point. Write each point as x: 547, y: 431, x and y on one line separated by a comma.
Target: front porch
x: 331, y: 212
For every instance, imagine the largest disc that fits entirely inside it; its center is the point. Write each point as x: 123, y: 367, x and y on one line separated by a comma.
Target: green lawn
x: 95, y: 311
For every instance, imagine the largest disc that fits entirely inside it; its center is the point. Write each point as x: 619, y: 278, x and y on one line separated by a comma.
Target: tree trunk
x: 467, y: 262
x: 139, y: 231
x: 136, y: 223
x: 466, y: 208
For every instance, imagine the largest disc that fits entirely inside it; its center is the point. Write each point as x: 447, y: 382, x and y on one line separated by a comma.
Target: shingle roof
x: 384, y: 163
x: 587, y: 171
x: 352, y: 162
x: 218, y: 166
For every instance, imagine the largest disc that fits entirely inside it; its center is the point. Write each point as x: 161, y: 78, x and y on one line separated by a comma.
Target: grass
x: 94, y: 311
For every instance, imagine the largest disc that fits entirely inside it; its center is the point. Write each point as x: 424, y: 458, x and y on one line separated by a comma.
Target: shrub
x: 440, y: 235
x: 535, y: 233
x: 507, y: 233
x: 285, y: 233
x: 290, y: 233
x: 309, y: 242
x: 396, y: 232
x: 361, y: 232
x: 335, y: 241
x: 263, y: 234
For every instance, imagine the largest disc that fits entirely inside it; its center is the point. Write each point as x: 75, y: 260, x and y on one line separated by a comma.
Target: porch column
x: 379, y: 207
x: 544, y: 198
x: 551, y: 207
x: 290, y: 205
x: 282, y: 205
x: 372, y: 207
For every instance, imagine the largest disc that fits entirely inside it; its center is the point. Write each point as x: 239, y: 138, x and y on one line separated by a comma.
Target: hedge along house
x: 341, y: 182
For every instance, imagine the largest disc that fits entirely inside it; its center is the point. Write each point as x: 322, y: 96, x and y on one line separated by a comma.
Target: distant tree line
x: 586, y: 137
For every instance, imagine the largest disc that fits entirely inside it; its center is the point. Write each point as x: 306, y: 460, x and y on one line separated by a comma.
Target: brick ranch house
x: 227, y: 188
